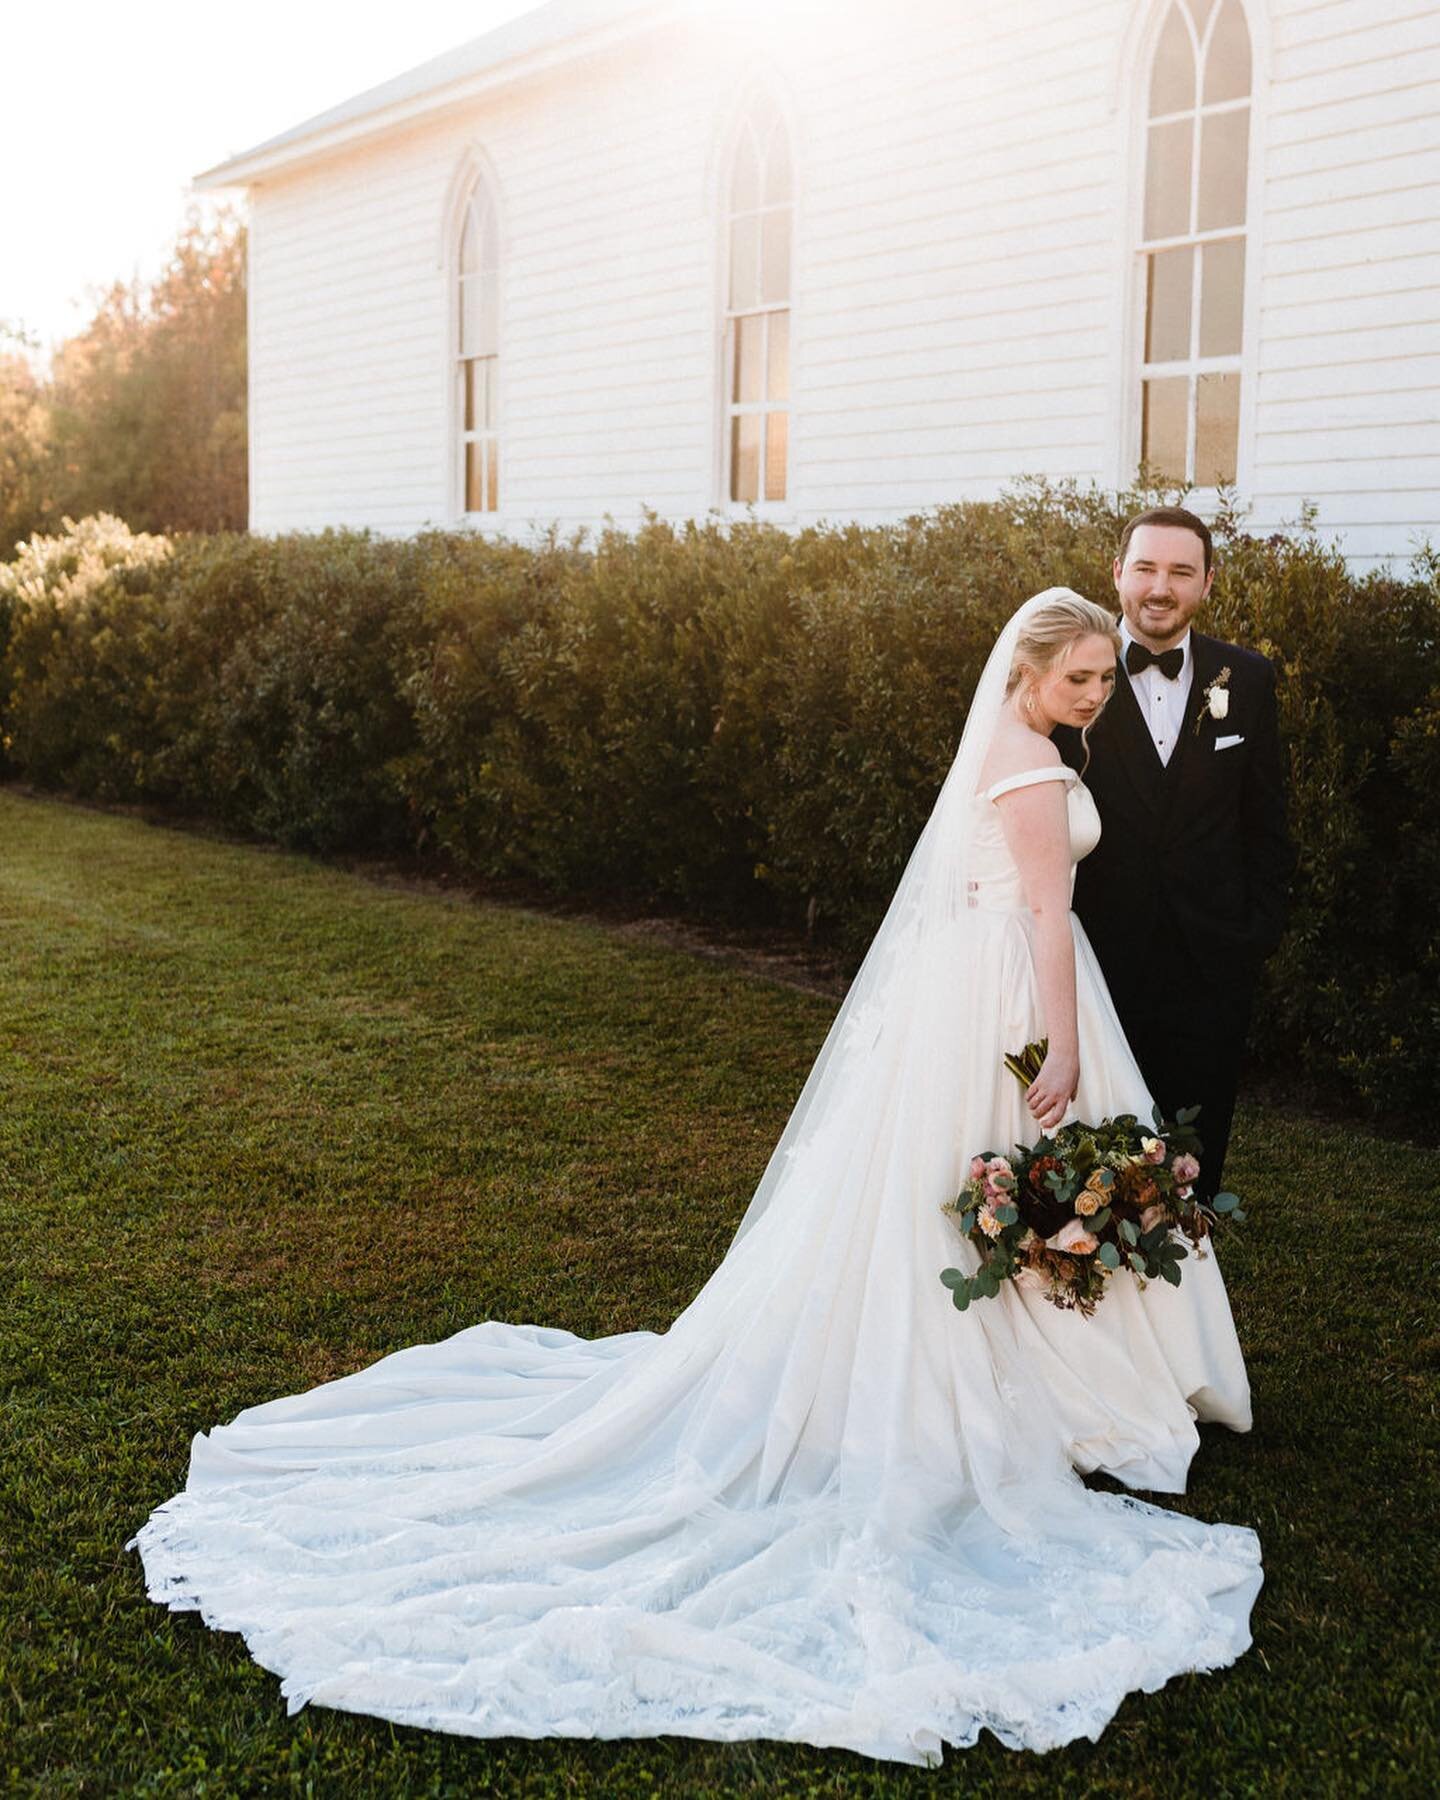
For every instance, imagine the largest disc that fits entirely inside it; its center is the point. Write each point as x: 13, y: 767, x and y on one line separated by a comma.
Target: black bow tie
x: 1168, y: 662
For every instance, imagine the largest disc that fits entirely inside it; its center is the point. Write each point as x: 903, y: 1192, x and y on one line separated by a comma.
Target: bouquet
x: 1064, y: 1215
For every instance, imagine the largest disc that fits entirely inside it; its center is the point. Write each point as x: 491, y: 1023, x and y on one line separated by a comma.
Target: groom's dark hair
x: 1169, y: 515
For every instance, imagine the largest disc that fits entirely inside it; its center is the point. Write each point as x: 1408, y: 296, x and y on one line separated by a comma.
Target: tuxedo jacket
x: 1196, y: 848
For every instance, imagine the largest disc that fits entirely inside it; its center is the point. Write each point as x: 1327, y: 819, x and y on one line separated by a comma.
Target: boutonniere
x: 1217, y: 699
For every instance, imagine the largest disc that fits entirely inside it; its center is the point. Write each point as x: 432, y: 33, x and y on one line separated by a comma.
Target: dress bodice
x: 994, y: 881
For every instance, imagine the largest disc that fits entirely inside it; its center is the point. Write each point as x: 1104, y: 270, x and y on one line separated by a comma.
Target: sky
x: 110, y: 110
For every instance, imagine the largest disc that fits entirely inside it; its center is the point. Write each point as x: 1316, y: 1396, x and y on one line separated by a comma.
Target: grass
x: 262, y: 1121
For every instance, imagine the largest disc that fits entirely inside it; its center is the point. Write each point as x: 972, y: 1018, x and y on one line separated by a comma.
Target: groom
x: 1184, y: 897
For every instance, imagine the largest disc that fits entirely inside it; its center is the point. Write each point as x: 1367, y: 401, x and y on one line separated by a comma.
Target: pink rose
x: 1073, y: 1238
x: 977, y: 1168
x: 1185, y: 1168
x: 1154, y: 1149
x: 1183, y: 1193
x: 1151, y: 1217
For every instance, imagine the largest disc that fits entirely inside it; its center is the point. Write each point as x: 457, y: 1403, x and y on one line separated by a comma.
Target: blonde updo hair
x: 1050, y: 634
x: 1052, y: 631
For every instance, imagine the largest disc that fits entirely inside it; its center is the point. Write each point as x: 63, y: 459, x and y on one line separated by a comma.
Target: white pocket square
x: 1226, y: 743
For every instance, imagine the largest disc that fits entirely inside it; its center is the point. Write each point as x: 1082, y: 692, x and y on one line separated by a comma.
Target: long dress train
x: 823, y: 1506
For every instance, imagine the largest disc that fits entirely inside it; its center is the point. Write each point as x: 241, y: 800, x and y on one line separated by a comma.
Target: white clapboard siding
x: 1347, y: 414
x: 962, y: 263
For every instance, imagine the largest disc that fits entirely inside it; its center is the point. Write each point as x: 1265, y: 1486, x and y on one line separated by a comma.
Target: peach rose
x: 1087, y: 1204
x: 1073, y: 1239
x: 1151, y: 1217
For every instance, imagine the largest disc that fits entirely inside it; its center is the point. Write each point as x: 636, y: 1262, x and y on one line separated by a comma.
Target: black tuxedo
x: 1184, y: 897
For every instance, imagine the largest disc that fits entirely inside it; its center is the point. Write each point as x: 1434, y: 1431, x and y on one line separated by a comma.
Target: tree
x: 26, y: 503
x: 144, y: 412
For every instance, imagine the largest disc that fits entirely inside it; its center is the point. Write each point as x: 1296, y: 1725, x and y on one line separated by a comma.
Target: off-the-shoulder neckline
x: 1027, y: 778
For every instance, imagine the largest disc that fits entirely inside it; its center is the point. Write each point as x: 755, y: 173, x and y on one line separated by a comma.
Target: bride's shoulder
x: 1017, y: 751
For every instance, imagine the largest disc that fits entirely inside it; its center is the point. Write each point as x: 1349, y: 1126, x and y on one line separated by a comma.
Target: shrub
x: 749, y: 724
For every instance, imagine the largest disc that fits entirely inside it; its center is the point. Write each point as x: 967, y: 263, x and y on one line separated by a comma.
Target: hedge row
x: 744, y: 723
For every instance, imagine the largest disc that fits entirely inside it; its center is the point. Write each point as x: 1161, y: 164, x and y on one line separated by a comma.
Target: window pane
x: 748, y: 384
x: 1168, y: 288
x: 745, y: 177
x: 490, y: 241
x: 1222, y: 297
x: 745, y: 457
x: 470, y: 240
x: 744, y: 264
x: 489, y: 287
x: 1172, y: 81
x: 777, y: 431
x: 470, y: 315
x: 777, y: 167
x: 1217, y: 428
x: 492, y: 476
x: 779, y: 385
x: 474, y: 478
x: 1165, y: 426
x: 469, y: 404
x: 775, y: 260
x: 479, y: 315
x: 1167, y: 180
x: 1224, y: 151
x: 1227, y: 61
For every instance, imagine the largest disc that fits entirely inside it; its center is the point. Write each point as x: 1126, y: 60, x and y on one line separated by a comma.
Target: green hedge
x: 744, y: 723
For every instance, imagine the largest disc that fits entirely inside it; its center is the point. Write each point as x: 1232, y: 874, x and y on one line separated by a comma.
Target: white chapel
x: 849, y: 259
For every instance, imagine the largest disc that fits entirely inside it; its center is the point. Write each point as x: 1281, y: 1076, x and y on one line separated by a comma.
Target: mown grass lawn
x: 262, y: 1121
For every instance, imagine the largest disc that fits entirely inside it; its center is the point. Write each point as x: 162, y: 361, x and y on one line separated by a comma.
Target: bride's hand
x: 1052, y: 1090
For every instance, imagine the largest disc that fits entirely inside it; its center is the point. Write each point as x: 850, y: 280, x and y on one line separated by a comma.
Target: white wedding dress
x: 823, y: 1507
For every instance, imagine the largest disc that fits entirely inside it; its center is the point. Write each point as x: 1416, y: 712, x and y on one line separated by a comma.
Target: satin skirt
x: 823, y: 1507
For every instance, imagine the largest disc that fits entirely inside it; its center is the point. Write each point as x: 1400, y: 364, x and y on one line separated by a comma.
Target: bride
x: 824, y: 1506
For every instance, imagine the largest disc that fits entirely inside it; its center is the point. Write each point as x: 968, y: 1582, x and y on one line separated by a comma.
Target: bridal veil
x: 822, y: 1507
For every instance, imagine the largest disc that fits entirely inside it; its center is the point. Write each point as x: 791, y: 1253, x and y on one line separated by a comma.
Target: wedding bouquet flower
x: 1063, y: 1215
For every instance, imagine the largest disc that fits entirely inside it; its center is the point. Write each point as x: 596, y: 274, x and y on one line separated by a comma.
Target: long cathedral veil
x: 886, y: 1001
x: 821, y: 1507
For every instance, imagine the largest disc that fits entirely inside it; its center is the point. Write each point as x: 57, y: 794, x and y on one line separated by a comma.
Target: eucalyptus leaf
x: 1110, y: 1256
x: 1170, y: 1272
x: 1128, y: 1231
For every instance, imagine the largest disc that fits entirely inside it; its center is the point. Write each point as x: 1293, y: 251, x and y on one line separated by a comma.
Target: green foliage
x: 26, y: 453
x: 82, y: 634
x: 144, y: 412
x: 750, y: 725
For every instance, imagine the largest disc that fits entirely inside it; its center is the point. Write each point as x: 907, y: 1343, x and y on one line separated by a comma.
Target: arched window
x: 1197, y: 154
x: 759, y: 207
x: 477, y: 351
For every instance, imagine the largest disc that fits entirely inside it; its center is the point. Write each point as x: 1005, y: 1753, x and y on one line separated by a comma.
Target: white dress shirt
x: 1161, y: 702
